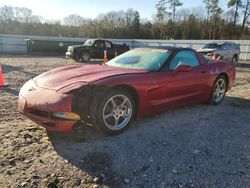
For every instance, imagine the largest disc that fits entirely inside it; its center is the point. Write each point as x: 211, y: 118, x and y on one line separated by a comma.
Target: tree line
x: 170, y: 21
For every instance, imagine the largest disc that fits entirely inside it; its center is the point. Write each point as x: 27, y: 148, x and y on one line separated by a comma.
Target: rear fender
x: 217, y: 68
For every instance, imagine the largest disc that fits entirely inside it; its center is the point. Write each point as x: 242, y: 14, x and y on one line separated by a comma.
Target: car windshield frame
x: 139, y: 59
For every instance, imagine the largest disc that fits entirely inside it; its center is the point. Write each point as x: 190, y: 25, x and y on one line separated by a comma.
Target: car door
x: 225, y: 52
x: 181, y: 87
x: 98, y: 49
x: 231, y: 51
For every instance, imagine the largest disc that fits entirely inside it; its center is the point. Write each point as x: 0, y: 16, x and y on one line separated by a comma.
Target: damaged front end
x: 85, y: 102
x: 47, y: 108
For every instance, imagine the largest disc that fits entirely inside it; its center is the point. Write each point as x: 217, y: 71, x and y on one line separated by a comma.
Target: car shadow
x: 187, y: 142
x: 243, y: 65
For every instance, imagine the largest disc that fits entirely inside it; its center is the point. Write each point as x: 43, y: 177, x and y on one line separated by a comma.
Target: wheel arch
x: 226, y: 76
x: 100, y: 102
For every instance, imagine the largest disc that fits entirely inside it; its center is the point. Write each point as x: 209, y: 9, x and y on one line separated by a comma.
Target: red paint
x: 43, y: 100
x: 64, y: 76
x: 161, y: 91
x: 157, y: 91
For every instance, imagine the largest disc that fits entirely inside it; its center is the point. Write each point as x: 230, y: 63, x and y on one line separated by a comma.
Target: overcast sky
x: 57, y: 9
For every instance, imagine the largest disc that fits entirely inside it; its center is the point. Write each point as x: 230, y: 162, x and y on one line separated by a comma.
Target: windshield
x: 212, y: 46
x: 88, y: 42
x: 143, y: 59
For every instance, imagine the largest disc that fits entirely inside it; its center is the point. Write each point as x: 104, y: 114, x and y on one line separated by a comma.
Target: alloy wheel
x: 117, y: 112
x: 219, y: 90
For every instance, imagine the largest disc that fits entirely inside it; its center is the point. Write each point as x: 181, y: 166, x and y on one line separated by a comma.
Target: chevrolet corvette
x: 139, y: 83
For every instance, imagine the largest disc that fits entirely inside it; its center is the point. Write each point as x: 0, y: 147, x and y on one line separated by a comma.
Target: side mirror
x: 183, y: 68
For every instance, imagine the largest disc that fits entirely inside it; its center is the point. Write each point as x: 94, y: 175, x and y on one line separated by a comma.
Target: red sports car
x: 138, y: 83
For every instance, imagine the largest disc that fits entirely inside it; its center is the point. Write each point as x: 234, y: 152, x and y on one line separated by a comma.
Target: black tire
x: 85, y: 57
x: 235, y: 59
x: 218, y: 94
x: 114, y: 114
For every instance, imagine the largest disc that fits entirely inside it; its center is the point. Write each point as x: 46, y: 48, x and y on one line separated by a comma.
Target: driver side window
x: 99, y: 44
x: 185, y: 57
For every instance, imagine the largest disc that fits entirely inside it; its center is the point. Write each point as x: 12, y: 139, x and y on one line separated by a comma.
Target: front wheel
x: 115, y: 112
x: 85, y: 57
x: 219, y: 90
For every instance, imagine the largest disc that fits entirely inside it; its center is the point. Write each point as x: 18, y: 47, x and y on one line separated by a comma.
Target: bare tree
x: 133, y: 22
x: 246, y: 13
x: 6, y: 14
x: 208, y: 7
x: 161, y: 16
x: 173, y: 5
x: 237, y: 4
x: 206, y: 22
x: 22, y: 14
x: 36, y: 19
x: 161, y: 11
x: 73, y: 20
x: 216, y: 15
x: 200, y: 13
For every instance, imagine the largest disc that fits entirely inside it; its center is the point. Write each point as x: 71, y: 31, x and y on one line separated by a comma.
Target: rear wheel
x: 115, y: 111
x: 219, y: 90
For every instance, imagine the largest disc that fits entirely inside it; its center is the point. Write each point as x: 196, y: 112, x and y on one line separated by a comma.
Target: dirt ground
x: 198, y: 146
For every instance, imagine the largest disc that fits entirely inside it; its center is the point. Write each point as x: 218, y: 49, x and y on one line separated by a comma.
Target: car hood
x: 61, y: 77
x: 207, y: 50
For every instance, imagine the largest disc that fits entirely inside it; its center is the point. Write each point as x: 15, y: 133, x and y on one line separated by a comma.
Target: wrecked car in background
x: 138, y: 83
x: 221, y: 50
x: 94, y: 49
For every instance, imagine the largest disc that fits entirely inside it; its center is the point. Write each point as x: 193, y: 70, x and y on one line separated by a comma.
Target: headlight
x: 66, y: 115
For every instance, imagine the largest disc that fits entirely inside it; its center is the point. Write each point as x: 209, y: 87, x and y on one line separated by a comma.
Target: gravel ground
x: 198, y: 146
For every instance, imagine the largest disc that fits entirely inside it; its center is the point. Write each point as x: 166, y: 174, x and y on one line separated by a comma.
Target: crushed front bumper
x: 39, y: 104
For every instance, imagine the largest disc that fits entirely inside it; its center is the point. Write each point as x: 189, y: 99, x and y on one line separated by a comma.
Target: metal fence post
x: 246, y: 55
